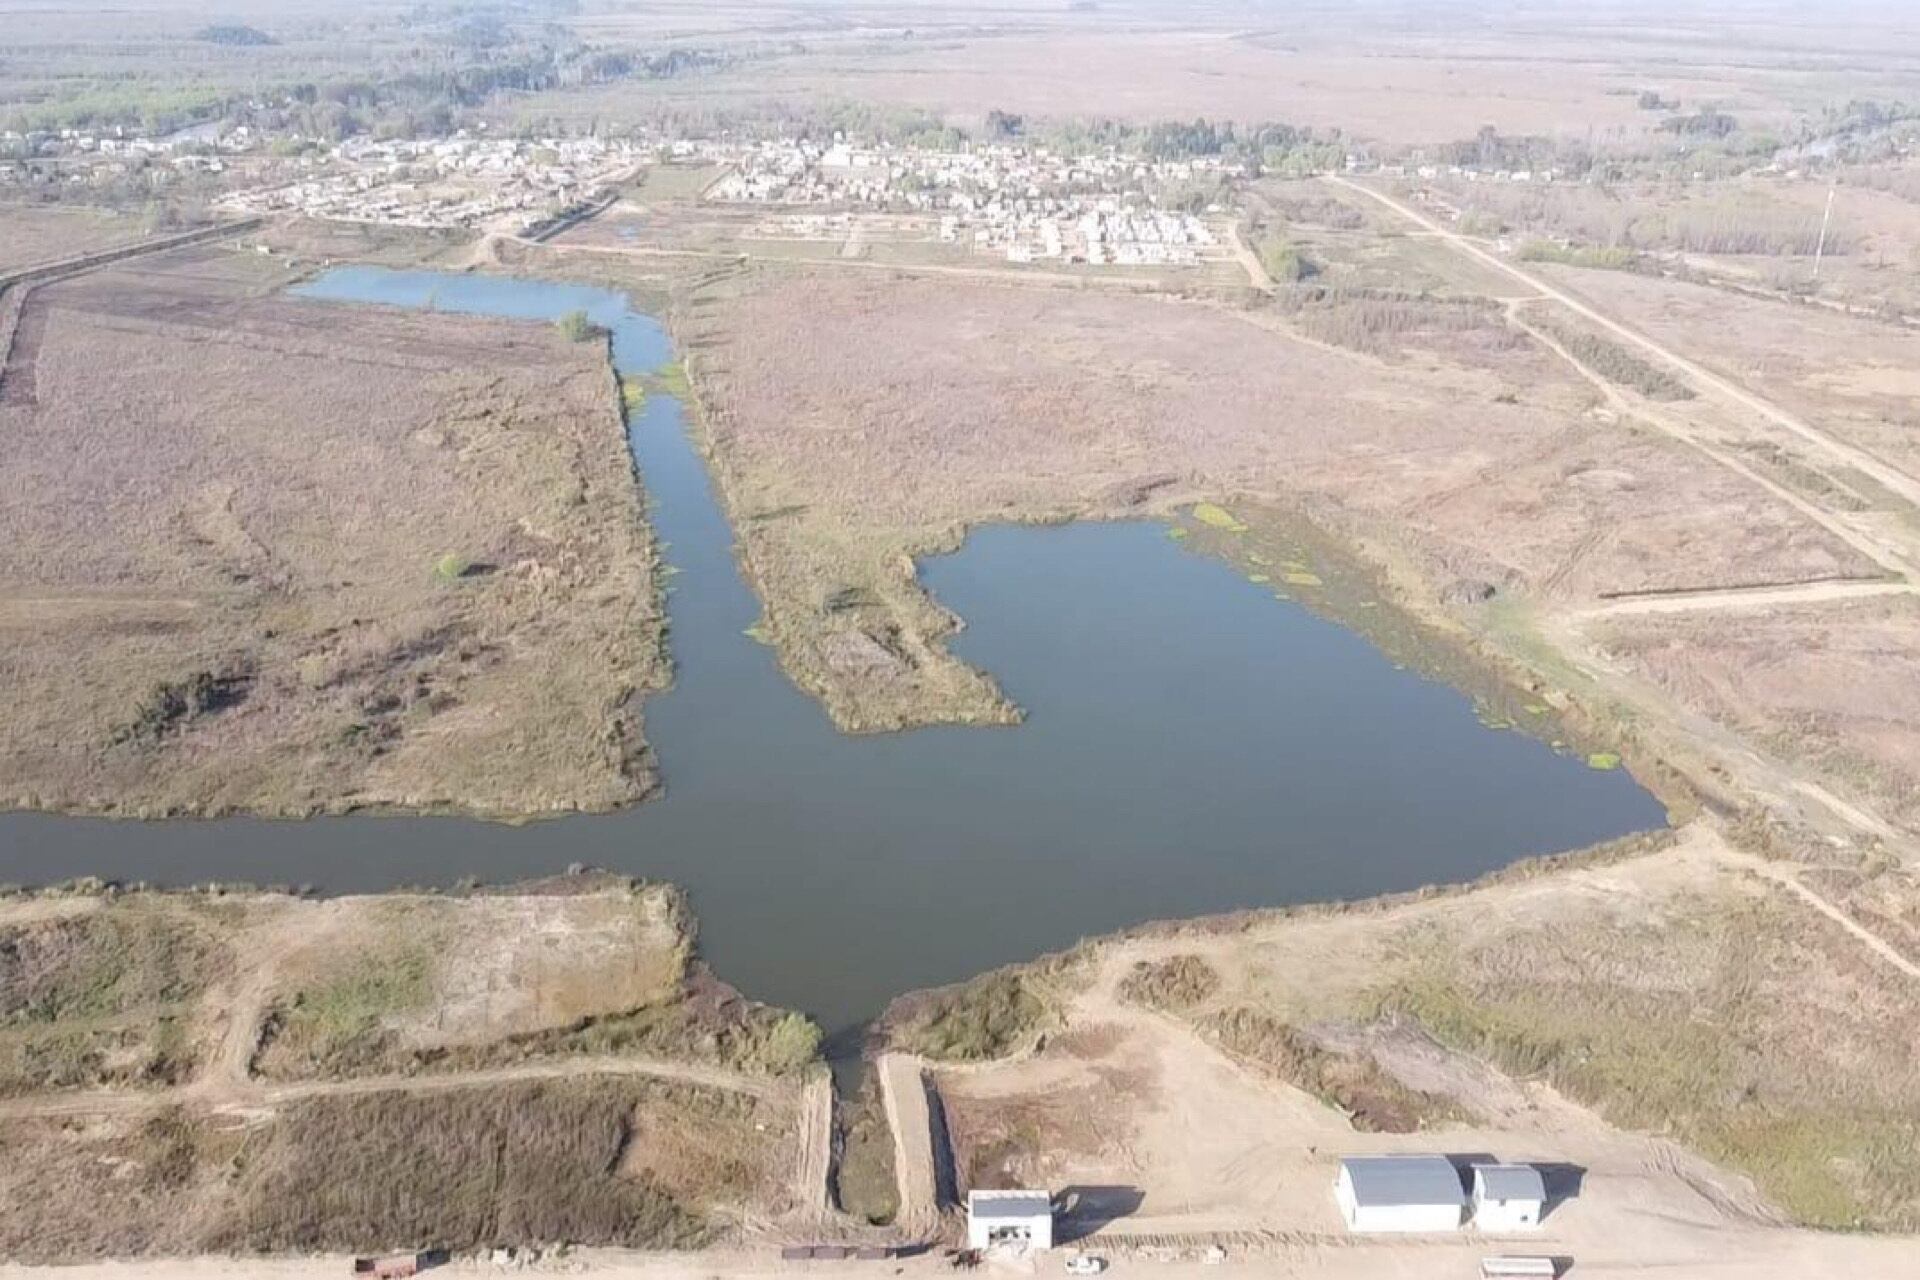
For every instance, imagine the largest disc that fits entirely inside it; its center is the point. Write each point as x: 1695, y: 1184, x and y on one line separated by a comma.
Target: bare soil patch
x: 407, y: 980
x: 287, y: 556
x: 1550, y: 1017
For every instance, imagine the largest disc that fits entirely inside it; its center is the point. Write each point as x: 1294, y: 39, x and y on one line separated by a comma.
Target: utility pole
x: 1826, y: 219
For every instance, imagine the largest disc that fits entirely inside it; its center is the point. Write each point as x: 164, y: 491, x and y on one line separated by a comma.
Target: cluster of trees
x: 1701, y: 124
x: 1183, y: 140
x: 234, y: 34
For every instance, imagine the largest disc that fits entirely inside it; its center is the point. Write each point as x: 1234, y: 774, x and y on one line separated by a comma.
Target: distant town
x: 1004, y: 200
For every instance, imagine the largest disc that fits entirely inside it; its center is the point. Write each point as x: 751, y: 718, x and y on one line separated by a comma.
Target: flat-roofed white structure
x: 1009, y: 1220
x: 1508, y: 1197
x: 1399, y: 1193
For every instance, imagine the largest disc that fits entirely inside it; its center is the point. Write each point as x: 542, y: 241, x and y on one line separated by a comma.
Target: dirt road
x: 237, y: 1096
x: 1748, y: 598
x: 1893, y: 478
x: 1766, y: 1256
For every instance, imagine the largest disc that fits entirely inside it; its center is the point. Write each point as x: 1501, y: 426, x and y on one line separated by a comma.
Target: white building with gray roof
x: 1021, y: 1220
x: 1410, y: 1193
x: 1508, y: 1197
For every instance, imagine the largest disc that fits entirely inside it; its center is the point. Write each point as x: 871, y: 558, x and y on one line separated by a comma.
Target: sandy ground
x: 1168, y: 1138
x: 1776, y: 1257
x: 256, y: 582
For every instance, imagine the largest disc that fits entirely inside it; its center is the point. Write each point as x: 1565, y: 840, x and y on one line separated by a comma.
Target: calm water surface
x: 1193, y: 745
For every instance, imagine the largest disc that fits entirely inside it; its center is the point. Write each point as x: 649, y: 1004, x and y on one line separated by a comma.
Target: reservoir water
x: 1192, y: 745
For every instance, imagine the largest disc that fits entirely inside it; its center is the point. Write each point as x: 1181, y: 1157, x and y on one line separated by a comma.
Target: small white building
x: 1009, y: 1220
x: 1508, y: 1197
x: 1399, y: 1193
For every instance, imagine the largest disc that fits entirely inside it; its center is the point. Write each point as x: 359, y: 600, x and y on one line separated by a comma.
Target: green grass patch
x: 1725, y: 1026
x: 633, y: 395
x: 987, y: 1018
x: 670, y: 380
x: 1592, y: 257
x: 342, y: 1024
x: 1215, y: 516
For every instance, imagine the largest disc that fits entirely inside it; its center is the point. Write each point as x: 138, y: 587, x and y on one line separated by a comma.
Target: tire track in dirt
x: 254, y: 1096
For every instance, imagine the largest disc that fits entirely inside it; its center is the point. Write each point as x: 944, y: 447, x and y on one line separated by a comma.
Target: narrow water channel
x: 1193, y: 745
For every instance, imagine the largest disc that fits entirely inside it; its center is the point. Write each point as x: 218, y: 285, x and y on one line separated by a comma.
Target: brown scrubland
x: 855, y: 423
x: 244, y: 1072
x: 34, y: 236
x: 1856, y: 376
x: 287, y: 556
x: 1836, y: 687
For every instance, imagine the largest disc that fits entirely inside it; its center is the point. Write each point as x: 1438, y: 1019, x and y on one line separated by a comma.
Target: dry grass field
x: 1374, y: 71
x: 615, y: 1162
x: 245, y: 1072
x: 855, y: 423
x: 1835, y: 688
x: 30, y: 235
x: 1857, y: 377
x: 1757, y: 234
x: 287, y: 556
x: 1617, y: 1018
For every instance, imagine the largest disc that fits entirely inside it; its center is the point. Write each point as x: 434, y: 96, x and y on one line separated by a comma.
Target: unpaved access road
x: 235, y: 1096
x: 1769, y: 1256
x: 1748, y: 598
x: 1892, y: 477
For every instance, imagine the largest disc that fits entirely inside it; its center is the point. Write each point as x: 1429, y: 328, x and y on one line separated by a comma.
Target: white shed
x: 1009, y: 1219
x: 1508, y: 1197
x: 1399, y: 1193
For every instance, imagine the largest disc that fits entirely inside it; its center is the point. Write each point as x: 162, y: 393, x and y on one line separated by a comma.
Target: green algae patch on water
x: 669, y: 380
x: 1217, y: 517
x: 1260, y: 578
x: 1303, y: 578
x: 633, y: 395
x: 1177, y: 533
x: 758, y: 633
x: 1603, y: 760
